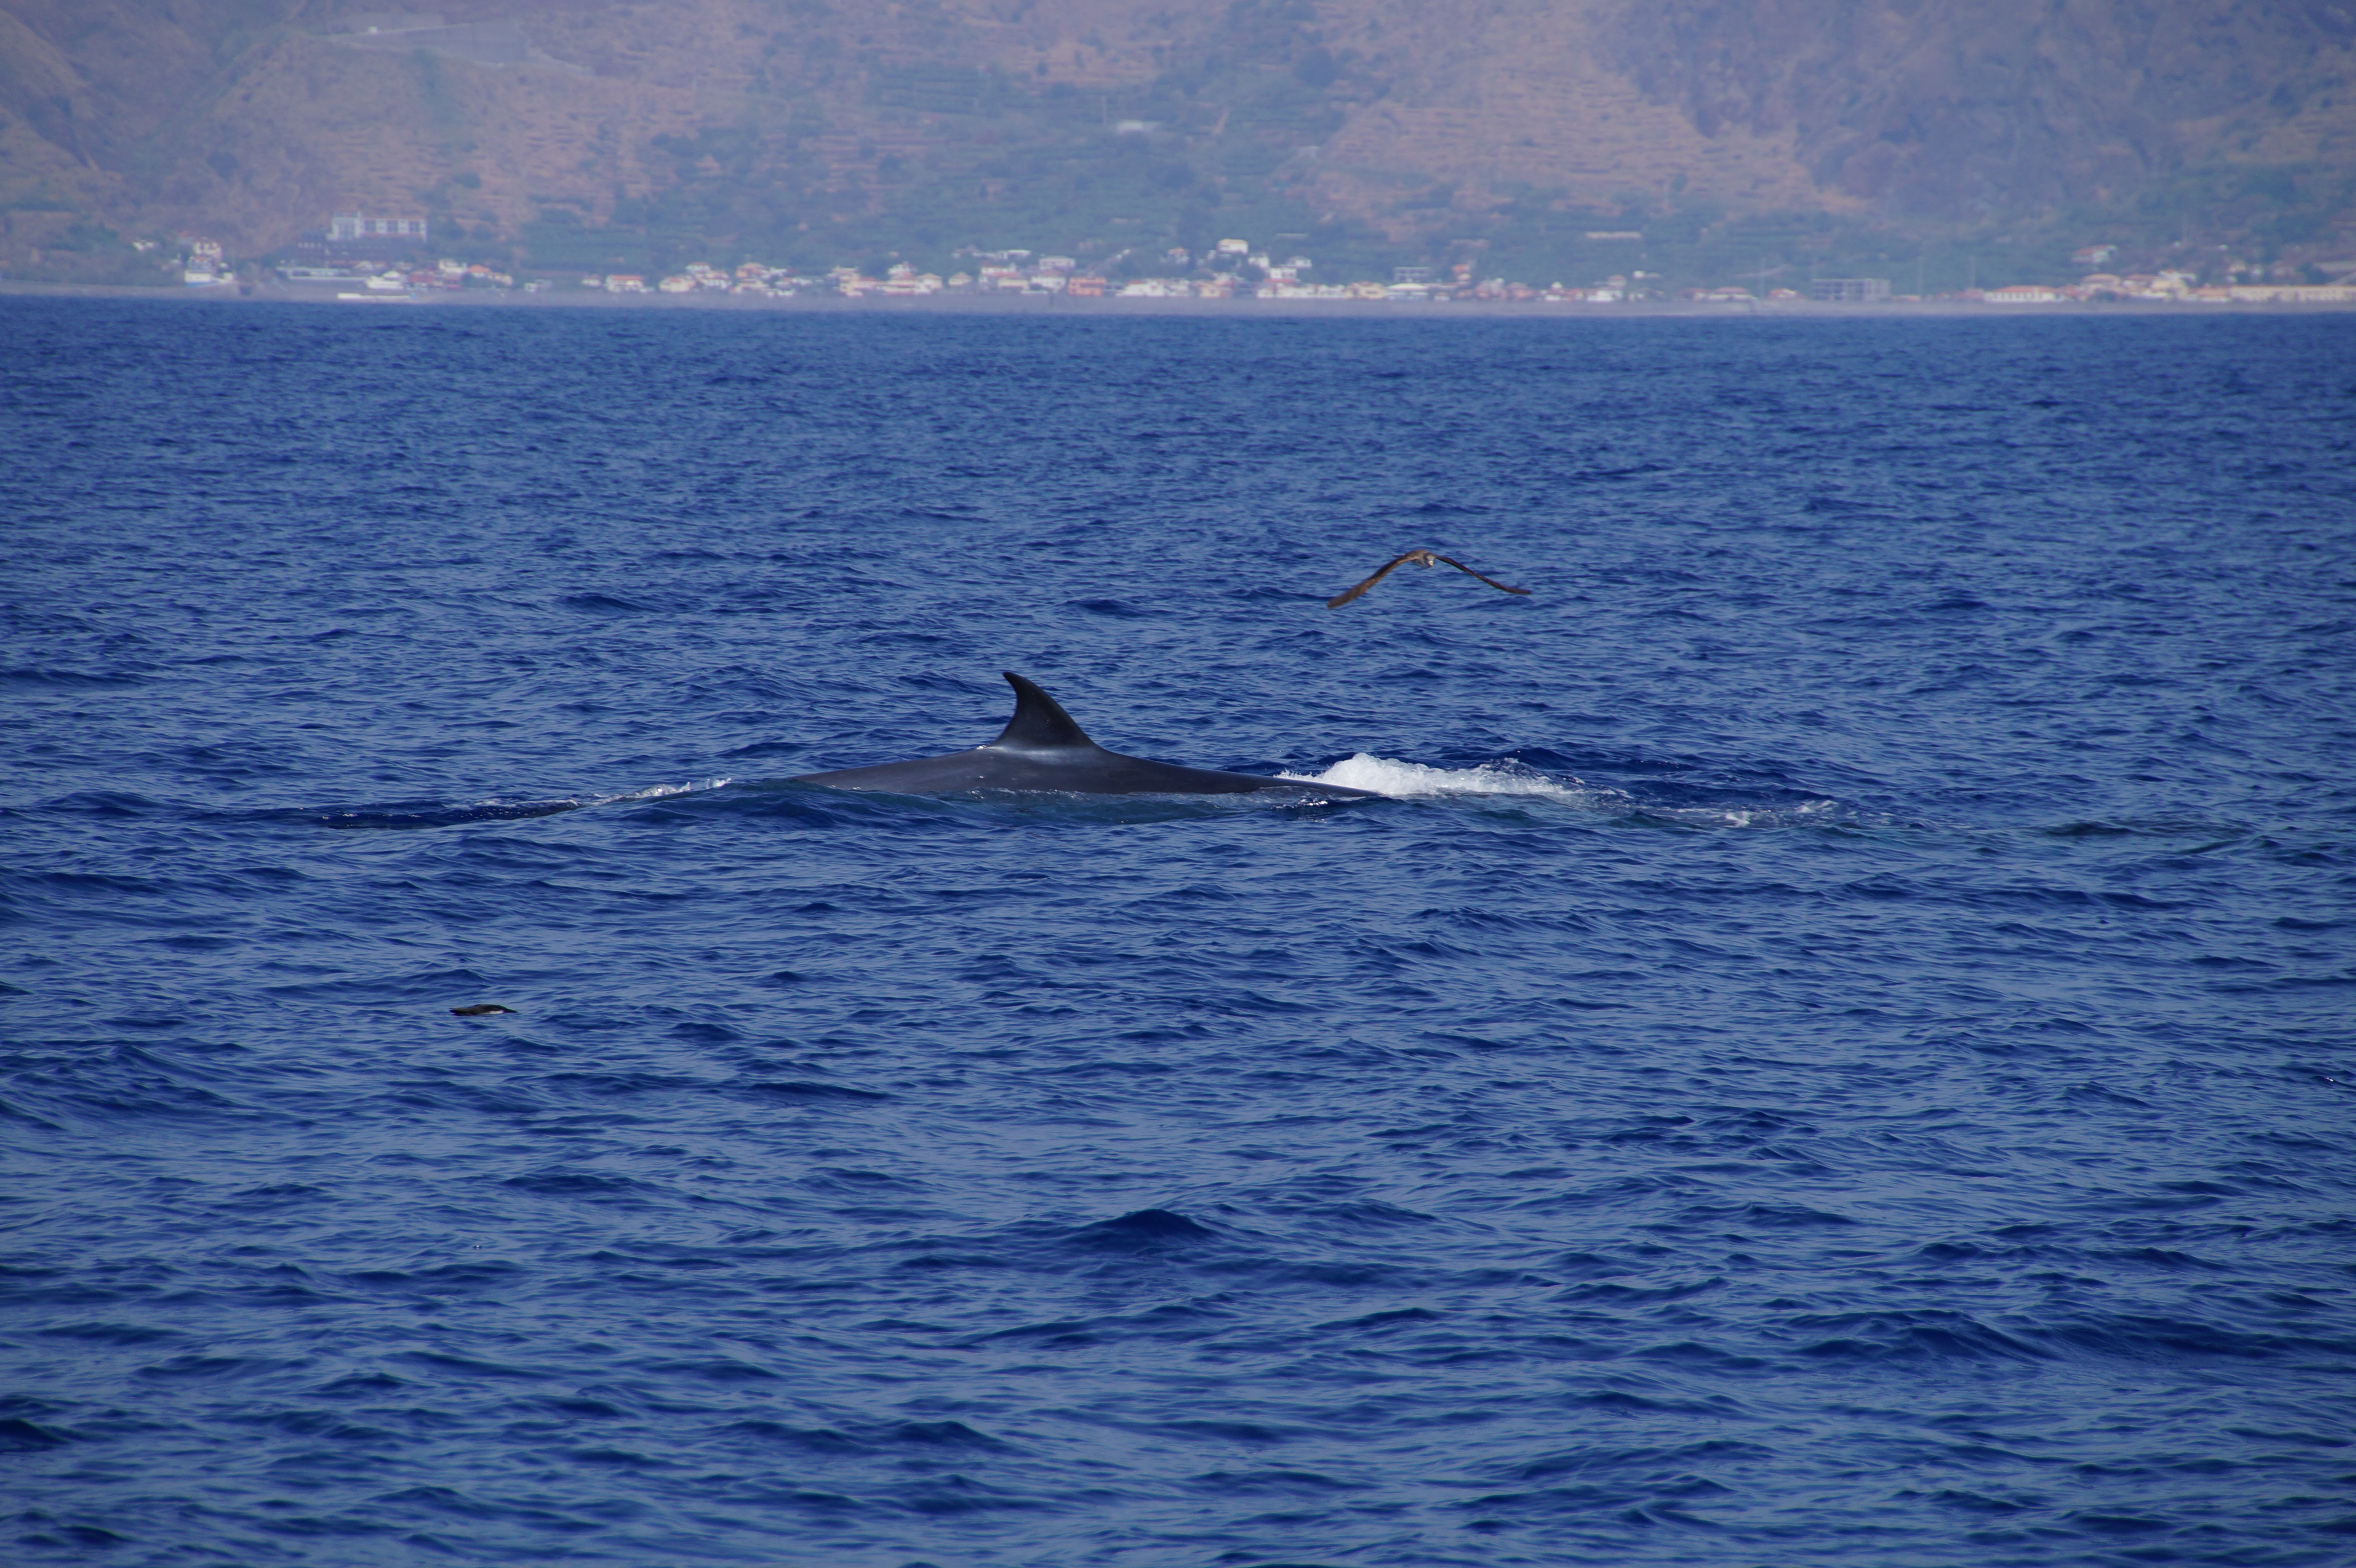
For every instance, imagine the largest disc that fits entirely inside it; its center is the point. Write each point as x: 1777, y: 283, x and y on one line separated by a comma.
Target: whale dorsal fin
x: 1038, y: 721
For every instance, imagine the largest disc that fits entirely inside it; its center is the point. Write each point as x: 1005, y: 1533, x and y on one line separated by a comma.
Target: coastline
x: 1115, y: 305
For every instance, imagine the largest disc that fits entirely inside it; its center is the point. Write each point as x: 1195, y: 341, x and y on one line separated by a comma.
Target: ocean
x: 1835, y: 1047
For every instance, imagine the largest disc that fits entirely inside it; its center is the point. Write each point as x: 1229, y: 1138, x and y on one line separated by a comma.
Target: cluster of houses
x: 443, y: 274
x: 1059, y: 275
x: 2248, y: 283
x: 1233, y: 270
x: 1230, y: 269
x: 203, y: 266
x: 2173, y: 287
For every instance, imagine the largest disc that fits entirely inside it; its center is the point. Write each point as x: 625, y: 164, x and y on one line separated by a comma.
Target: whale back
x: 1042, y: 749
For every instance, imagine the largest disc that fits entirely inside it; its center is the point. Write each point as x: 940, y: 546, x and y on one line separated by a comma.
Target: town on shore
x: 360, y: 258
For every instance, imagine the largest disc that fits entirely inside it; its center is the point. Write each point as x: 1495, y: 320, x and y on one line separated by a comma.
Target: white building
x: 346, y: 227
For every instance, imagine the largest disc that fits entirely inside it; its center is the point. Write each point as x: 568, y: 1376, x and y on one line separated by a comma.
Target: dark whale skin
x: 1043, y: 748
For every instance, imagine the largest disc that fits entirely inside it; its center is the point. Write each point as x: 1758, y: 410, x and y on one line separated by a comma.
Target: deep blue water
x: 1840, y: 1054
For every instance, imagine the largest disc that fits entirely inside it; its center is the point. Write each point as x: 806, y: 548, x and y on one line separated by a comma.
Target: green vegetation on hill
x: 77, y: 250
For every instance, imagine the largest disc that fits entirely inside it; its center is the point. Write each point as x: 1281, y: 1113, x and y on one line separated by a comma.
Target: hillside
x: 592, y: 133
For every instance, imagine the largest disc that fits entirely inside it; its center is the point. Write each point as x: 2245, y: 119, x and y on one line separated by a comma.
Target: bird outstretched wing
x: 1422, y: 557
x: 1491, y: 581
x: 1388, y: 567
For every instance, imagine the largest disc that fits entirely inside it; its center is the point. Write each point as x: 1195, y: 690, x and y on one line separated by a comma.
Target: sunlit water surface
x: 1837, y: 1050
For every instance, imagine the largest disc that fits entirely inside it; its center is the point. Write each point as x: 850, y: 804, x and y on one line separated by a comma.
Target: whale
x: 1043, y: 748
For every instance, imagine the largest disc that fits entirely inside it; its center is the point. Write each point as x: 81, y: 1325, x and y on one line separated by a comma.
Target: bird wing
x: 1457, y: 565
x: 1388, y: 567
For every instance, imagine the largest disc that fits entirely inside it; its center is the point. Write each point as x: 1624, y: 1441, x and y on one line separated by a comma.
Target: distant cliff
x: 593, y: 134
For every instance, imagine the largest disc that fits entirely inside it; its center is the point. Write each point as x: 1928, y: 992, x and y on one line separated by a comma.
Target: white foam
x: 660, y: 792
x: 1412, y: 780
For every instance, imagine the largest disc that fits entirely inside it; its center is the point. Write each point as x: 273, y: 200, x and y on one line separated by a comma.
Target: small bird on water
x: 480, y: 1009
x: 1416, y: 558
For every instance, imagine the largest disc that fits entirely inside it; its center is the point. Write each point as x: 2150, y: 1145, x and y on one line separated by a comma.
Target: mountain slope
x: 594, y: 133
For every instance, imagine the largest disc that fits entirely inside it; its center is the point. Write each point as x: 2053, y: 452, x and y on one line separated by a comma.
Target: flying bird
x: 1418, y: 557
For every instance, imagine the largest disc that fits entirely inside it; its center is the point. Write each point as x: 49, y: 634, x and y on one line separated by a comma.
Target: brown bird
x: 1418, y: 557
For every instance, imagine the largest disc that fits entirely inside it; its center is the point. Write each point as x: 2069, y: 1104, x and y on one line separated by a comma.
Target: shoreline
x: 1060, y: 305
